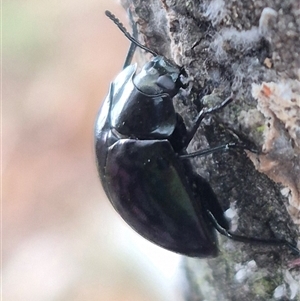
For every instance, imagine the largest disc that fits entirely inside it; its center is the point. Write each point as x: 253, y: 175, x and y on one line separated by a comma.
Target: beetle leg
x: 224, y: 147
x: 203, y: 113
x: 133, y: 46
x: 129, y: 55
x: 206, y: 200
x: 247, y: 239
x: 178, y: 137
x: 206, y: 111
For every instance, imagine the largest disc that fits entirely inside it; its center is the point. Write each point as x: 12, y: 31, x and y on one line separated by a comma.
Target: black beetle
x: 142, y: 161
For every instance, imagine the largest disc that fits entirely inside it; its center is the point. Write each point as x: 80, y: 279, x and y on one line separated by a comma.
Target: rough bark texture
x: 251, y: 49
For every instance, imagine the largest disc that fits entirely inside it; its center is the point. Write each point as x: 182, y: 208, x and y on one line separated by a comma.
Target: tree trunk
x: 251, y: 49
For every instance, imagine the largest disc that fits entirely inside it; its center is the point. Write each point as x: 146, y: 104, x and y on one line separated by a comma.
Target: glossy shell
x: 143, y: 177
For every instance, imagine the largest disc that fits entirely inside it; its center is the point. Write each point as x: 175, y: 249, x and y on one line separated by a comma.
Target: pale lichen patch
x: 280, y: 105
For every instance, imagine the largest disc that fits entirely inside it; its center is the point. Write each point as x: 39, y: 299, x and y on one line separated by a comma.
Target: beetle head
x: 159, y: 76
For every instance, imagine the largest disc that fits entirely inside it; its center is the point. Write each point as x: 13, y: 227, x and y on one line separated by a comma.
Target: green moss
x: 261, y: 128
x: 264, y: 287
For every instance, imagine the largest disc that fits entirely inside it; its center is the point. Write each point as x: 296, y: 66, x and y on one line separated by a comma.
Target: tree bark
x: 250, y: 49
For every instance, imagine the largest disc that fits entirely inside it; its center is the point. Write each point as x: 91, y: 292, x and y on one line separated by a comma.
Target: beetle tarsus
x: 246, y: 239
x: 224, y: 147
x: 204, y: 112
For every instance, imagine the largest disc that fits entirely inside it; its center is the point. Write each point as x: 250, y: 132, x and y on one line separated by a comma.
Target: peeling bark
x: 250, y: 48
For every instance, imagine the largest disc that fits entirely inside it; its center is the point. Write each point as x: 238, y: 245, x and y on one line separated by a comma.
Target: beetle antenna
x: 127, y: 34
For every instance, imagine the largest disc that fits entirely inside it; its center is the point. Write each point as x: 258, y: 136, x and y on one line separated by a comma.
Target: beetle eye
x: 152, y: 71
x: 149, y: 65
x: 165, y: 82
x: 163, y: 63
